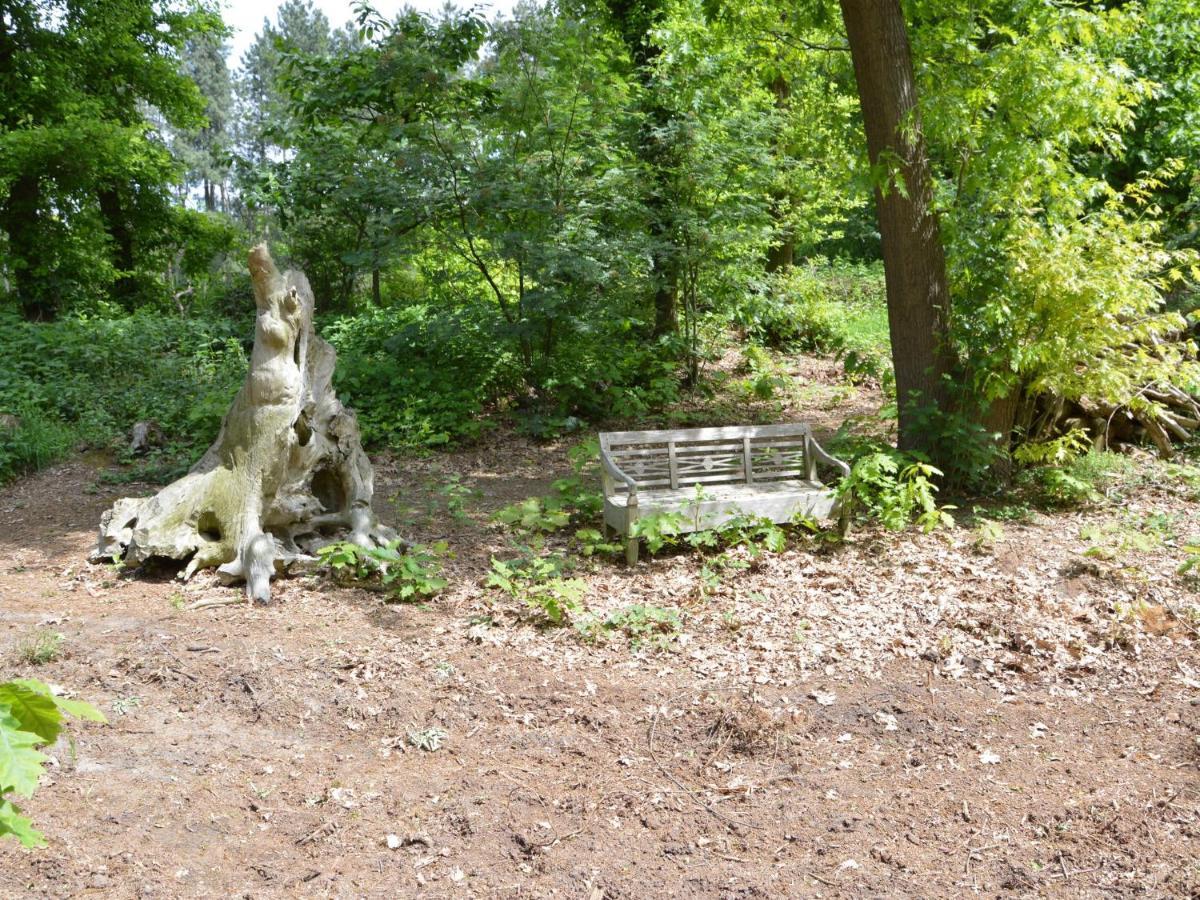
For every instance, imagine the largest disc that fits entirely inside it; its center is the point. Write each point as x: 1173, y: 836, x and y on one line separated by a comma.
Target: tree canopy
x: 575, y: 201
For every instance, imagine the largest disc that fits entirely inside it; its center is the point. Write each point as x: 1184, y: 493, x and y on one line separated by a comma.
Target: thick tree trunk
x: 286, y: 474
x: 913, y: 256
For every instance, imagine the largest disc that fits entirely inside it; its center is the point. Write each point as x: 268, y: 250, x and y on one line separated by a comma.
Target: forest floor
x: 903, y: 714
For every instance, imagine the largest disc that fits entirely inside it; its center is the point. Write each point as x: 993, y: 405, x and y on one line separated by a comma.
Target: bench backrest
x: 686, y: 457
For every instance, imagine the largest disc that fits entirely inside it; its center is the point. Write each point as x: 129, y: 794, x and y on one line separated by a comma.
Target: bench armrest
x: 819, y: 452
x: 614, y: 472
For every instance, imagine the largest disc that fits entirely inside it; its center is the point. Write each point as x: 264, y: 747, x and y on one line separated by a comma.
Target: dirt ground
x: 904, y: 715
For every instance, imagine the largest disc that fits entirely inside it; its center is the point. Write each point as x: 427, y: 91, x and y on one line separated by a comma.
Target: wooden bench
x: 769, y: 471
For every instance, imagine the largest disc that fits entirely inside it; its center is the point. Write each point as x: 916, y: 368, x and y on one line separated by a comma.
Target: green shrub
x: 405, y: 573
x: 896, y: 489
x: 538, y: 583
x: 86, y: 381
x: 419, y: 378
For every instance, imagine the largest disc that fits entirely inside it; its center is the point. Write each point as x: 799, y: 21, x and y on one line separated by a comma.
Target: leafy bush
x: 645, y: 623
x: 405, y: 573
x: 31, y: 716
x: 88, y: 380
x: 896, y: 489
x: 538, y: 582
x: 420, y: 378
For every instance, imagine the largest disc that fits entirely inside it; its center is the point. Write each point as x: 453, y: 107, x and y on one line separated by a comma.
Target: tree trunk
x: 376, y: 291
x: 112, y: 209
x: 913, y: 256
x: 286, y: 473
x: 20, y: 216
x: 782, y: 255
x: 636, y: 20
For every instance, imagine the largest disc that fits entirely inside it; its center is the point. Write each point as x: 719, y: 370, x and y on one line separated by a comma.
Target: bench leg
x: 631, y: 551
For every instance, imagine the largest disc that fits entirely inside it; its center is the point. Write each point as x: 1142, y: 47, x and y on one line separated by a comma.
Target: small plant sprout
x: 427, y: 739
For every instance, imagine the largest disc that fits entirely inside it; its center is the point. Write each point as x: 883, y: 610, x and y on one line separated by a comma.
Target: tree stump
x: 287, y: 473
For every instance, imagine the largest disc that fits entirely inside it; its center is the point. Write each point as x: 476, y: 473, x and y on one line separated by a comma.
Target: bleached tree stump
x: 287, y: 473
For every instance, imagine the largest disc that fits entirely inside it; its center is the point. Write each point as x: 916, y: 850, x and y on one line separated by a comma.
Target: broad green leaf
x: 77, y: 708
x: 12, y: 822
x: 33, y: 710
x: 20, y: 763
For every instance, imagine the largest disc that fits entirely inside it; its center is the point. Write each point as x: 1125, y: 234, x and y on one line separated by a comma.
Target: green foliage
x: 1053, y: 232
x: 1130, y: 534
x: 457, y: 496
x: 987, y: 533
x: 31, y: 716
x: 897, y: 490
x: 32, y: 441
x: 41, y: 647
x: 1083, y: 478
x: 86, y: 176
x: 646, y: 624
x: 88, y: 380
x: 755, y: 534
x: 832, y: 308
x: 575, y: 498
x: 1056, y: 452
x: 419, y: 378
x: 428, y: 739
x: 592, y: 542
x: 538, y: 583
x: 406, y: 573
x: 1191, y: 562
x: 659, y: 529
x: 535, y: 514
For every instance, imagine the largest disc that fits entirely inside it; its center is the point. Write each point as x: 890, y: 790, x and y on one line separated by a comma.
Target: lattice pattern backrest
x: 687, y: 457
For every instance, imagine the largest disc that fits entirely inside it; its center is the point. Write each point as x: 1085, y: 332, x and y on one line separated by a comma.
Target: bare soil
x: 903, y: 715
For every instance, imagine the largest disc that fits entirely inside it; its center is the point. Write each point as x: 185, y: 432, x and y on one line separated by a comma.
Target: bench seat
x: 779, y: 501
x: 764, y: 471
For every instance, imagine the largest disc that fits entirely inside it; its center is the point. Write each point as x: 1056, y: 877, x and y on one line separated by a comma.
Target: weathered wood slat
x: 712, y: 475
x: 703, y: 434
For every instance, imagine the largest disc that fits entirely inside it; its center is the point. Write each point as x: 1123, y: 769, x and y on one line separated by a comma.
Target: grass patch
x: 41, y: 647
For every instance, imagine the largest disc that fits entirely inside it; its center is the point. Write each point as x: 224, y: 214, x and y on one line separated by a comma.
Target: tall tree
x: 204, y: 149
x: 914, y: 260
x: 85, y: 174
x: 636, y: 20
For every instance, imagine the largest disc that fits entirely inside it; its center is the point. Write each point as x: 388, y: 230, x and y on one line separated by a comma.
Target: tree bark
x: 636, y: 19
x: 286, y: 474
x: 112, y: 210
x: 20, y: 216
x: 782, y: 255
x: 913, y: 257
